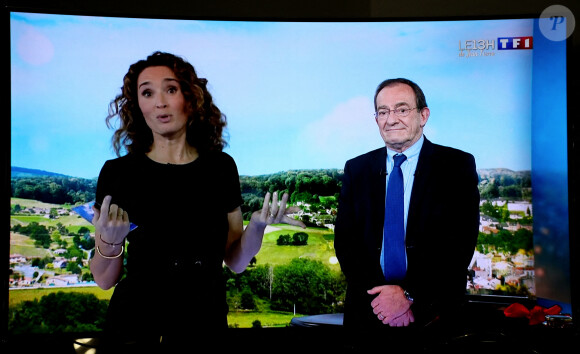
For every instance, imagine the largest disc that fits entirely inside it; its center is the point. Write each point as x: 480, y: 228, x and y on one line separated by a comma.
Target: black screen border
x: 330, y: 11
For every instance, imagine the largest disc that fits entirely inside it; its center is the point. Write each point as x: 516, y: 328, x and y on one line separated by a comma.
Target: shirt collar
x: 412, y: 152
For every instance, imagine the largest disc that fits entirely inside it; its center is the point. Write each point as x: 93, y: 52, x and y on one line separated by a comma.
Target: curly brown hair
x: 206, y: 122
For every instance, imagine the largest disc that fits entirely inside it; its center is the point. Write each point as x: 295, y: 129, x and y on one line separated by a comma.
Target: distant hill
x: 19, y: 172
x: 488, y: 173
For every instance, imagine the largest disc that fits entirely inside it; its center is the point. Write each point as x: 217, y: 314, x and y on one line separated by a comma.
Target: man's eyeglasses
x: 399, y: 112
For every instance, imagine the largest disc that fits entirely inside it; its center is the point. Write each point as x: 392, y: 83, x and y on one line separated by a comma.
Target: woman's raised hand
x: 276, y: 211
x: 113, y: 225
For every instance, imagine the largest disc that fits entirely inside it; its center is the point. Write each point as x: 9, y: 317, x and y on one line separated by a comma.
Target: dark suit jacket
x: 442, y: 229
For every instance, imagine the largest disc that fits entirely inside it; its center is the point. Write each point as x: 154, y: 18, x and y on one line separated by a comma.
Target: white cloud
x: 34, y: 47
x: 349, y: 130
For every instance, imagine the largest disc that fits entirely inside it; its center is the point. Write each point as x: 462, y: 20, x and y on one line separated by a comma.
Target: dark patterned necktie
x: 394, y: 228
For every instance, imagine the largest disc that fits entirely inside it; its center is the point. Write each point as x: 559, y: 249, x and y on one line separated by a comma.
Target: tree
x: 87, y: 276
x: 300, y: 238
x: 297, y: 239
x: 522, y: 239
x: 86, y: 242
x: 52, y: 189
x: 73, y: 252
x: 59, y: 312
x: 309, y: 285
x: 490, y: 191
x: 505, y: 213
x: 74, y: 267
x: 283, y: 240
x: 16, y: 209
x: 512, y: 192
x: 41, y: 262
x: 503, y: 240
x: 39, y: 233
x: 487, y: 208
x: 62, y: 229
x: 56, y: 237
x: 247, y: 299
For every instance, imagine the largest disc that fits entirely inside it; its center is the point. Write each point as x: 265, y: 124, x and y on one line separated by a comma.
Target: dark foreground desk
x: 333, y: 320
x: 482, y: 329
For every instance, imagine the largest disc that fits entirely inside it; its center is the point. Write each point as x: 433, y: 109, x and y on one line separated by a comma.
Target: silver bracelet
x: 110, y: 257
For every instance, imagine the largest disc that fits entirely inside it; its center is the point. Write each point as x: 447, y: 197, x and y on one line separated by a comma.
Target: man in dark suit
x: 439, y: 230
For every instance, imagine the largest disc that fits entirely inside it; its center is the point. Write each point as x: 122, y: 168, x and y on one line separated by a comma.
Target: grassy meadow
x: 320, y: 247
x: 245, y: 319
x: 15, y: 296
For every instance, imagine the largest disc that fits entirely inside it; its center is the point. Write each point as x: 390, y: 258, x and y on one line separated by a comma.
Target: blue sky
x: 296, y: 95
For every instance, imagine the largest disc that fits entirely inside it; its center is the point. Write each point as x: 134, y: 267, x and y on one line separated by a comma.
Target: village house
x: 17, y: 259
x: 63, y: 280
x: 59, y: 263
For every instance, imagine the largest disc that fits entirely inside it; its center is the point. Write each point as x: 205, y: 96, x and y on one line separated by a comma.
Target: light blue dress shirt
x: 408, y: 167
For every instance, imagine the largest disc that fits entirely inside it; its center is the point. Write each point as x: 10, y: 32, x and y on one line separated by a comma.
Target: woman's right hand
x: 276, y: 212
x: 112, y: 226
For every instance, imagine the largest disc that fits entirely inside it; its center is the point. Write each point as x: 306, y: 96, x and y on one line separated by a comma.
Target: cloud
x: 34, y: 47
x: 347, y: 131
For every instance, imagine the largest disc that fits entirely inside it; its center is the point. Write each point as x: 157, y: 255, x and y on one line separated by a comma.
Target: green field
x: 29, y: 203
x: 24, y: 246
x: 243, y: 319
x: 320, y: 247
x: 71, y: 222
x: 16, y: 296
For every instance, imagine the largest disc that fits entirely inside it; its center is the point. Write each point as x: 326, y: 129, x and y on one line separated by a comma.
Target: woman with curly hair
x: 183, y: 194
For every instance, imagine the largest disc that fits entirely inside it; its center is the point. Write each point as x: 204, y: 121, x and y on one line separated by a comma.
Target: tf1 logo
x: 515, y: 43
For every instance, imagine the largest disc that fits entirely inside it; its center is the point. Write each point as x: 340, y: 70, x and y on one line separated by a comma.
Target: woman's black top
x: 173, y: 280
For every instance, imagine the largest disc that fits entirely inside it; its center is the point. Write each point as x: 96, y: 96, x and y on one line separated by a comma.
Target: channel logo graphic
x: 509, y: 43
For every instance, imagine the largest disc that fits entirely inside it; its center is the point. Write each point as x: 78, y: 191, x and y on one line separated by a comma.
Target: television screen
x: 298, y: 97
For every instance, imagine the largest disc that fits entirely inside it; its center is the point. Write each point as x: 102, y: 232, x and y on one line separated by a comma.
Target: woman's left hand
x: 276, y: 212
